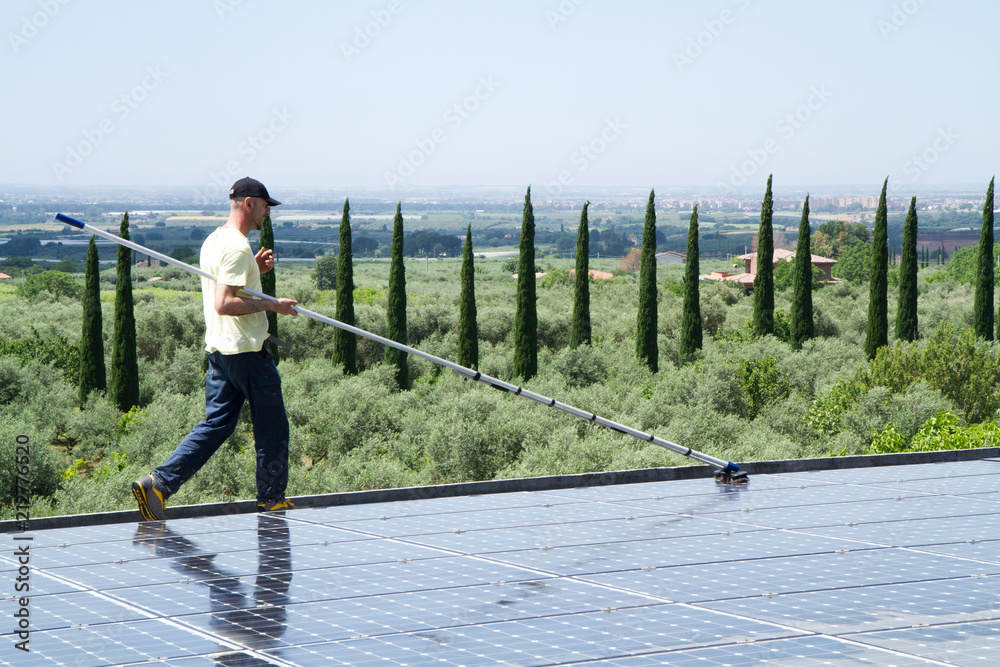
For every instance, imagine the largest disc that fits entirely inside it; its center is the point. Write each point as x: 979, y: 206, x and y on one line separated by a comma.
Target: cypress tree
x: 395, y: 326
x: 579, y: 333
x: 982, y: 307
x: 646, y: 348
x: 268, y: 284
x: 691, y: 338
x: 906, y: 310
x: 345, y: 344
x: 802, y: 326
x: 468, y: 329
x: 526, y: 319
x: 93, y: 375
x: 878, y: 308
x: 763, y: 282
x: 123, y: 387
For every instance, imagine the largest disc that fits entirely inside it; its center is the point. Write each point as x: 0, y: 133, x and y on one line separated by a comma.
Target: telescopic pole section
x: 728, y: 472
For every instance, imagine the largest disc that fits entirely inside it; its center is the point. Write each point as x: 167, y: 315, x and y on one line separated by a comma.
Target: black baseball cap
x: 251, y: 187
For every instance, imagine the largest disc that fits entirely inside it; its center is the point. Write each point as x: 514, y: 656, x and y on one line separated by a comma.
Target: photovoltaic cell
x: 791, y: 497
x: 112, y: 644
x: 793, y: 574
x: 549, y: 536
x: 618, y: 556
x: 956, y: 486
x: 813, y: 651
x: 965, y: 644
x: 878, y: 607
x: 675, y: 489
x: 929, y: 471
x: 542, y: 641
x: 878, y: 566
x: 67, y: 610
x: 419, y: 507
x: 983, y: 551
x: 539, y: 515
x: 917, y: 532
x: 902, y: 508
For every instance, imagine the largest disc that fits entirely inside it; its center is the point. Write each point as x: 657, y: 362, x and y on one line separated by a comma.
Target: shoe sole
x: 262, y: 508
x: 140, y: 495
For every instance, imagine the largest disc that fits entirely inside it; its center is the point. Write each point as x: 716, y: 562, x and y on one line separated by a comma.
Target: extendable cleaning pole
x: 728, y: 473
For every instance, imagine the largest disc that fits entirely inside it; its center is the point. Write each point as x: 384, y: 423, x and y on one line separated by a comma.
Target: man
x: 240, y: 366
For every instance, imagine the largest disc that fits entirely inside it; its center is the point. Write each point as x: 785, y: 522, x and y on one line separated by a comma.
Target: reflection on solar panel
x: 881, y: 566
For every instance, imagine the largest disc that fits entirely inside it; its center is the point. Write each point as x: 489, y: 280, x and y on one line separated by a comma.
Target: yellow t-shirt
x: 226, y: 254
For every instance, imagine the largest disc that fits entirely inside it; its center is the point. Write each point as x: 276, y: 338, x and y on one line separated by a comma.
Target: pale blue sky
x: 167, y: 93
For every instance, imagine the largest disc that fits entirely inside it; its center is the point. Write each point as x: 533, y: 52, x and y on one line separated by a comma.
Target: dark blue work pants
x: 231, y: 380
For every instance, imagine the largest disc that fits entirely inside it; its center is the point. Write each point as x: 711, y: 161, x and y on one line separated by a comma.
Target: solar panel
x: 890, y: 565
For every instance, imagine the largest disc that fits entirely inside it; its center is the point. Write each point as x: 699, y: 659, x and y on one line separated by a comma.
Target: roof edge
x: 548, y: 483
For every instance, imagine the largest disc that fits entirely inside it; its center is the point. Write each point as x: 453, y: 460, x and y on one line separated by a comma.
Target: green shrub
x: 368, y: 295
x: 941, y: 431
x: 879, y: 406
x: 163, y: 326
x: 582, y: 366
x: 825, y: 413
x: 495, y: 324
x: 760, y: 382
x: 56, y: 283
x: 554, y: 277
x: 325, y: 272
x: 370, y: 467
x: 338, y: 416
x: 59, y: 353
x: 476, y: 434
x: 44, y: 467
x: 713, y: 315
x: 553, y: 329
x: 963, y: 369
x: 675, y: 287
x: 569, y: 452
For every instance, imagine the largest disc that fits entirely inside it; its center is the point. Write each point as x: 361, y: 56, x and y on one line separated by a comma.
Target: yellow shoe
x: 275, y: 505
x: 152, y: 504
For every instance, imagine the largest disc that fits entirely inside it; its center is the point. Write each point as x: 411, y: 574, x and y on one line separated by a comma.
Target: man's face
x: 258, y: 212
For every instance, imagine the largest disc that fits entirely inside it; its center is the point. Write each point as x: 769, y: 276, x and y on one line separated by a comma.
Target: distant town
x: 823, y: 199
x: 175, y: 219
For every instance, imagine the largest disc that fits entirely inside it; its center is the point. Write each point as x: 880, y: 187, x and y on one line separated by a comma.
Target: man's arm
x: 228, y: 303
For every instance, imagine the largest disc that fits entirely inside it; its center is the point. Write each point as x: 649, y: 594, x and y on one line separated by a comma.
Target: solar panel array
x: 881, y: 566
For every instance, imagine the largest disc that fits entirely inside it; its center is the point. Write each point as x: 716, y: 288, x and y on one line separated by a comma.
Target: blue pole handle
x: 69, y: 221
